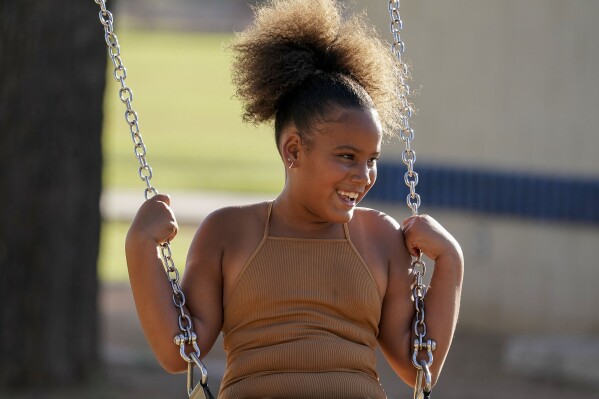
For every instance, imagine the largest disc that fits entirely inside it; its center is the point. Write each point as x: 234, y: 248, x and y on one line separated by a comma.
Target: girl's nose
x: 362, y: 174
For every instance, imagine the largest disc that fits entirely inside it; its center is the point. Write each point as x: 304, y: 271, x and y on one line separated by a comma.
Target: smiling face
x: 334, y: 171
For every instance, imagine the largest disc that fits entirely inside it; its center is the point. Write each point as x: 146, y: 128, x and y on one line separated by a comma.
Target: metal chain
x: 187, y: 336
x: 126, y: 97
x: 423, y: 385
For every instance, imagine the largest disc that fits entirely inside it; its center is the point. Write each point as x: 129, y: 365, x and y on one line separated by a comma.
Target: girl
x: 306, y: 286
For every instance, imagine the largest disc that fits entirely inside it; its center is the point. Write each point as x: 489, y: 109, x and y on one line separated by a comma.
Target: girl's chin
x: 345, y: 217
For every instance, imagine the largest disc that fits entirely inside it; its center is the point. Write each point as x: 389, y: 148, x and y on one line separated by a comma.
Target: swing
x: 187, y: 337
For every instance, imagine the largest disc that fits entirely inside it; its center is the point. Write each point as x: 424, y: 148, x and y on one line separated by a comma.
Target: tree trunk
x: 52, y: 75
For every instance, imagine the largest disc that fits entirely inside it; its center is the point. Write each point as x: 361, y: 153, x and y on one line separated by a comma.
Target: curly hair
x: 300, y: 59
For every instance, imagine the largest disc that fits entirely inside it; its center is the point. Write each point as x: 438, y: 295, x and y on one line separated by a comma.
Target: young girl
x: 304, y: 287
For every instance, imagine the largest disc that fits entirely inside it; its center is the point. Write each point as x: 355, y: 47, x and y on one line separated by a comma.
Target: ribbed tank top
x: 301, y: 322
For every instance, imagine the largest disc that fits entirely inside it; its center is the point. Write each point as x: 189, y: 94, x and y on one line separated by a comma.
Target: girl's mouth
x: 348, y: 197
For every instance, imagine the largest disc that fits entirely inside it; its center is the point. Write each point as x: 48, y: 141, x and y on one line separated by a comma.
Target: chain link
x: 187, y: 336
x: 423, y: 385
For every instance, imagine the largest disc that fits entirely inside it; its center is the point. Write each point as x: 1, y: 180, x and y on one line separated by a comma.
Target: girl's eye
x: 347, y: 156
x: 372, y: 161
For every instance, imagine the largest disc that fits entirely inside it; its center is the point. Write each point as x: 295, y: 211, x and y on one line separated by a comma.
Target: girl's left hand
x: 423, y: 233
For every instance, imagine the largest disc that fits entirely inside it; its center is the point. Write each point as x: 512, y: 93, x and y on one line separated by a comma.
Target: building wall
x: 504, y: 84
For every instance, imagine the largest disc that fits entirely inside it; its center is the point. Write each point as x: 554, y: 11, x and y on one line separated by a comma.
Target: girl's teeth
x: 351, y: 196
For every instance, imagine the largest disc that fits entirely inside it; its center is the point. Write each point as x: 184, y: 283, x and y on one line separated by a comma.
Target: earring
x: 291, y: 164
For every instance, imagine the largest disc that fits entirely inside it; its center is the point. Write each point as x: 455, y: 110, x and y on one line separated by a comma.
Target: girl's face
x: 338, y: 168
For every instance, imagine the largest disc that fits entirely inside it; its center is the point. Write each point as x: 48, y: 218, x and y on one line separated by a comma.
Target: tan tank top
x: 301, y: 322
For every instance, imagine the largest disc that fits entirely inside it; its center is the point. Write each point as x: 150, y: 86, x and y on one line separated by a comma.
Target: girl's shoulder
x: 379, y: 239
x: 257, y: 208
x: 236, y: 215
x: 375, y: 228
x: 375, y: 222
x: 232, y: 221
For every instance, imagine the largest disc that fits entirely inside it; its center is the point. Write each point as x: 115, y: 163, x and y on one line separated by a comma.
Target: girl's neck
x: 291, y: 218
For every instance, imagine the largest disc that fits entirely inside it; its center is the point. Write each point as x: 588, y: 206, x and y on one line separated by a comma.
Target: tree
x: 52, y: 76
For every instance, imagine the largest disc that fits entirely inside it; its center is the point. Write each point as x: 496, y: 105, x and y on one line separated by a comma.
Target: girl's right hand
x: 155, y: 221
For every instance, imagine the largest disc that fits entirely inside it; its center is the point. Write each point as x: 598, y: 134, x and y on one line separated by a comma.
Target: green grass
x: 190, y: 122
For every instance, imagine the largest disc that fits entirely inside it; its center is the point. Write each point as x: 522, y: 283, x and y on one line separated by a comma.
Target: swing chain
x: 408, y: 155
x: 126, y: 97
x: 423, y: 385
x: 187, y: 336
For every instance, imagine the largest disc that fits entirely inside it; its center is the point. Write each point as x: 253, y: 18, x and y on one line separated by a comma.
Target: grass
x: 190, y: 121
x: 191, y: 126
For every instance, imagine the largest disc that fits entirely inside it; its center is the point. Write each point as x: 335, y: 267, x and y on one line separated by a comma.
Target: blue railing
x: 545, y: 197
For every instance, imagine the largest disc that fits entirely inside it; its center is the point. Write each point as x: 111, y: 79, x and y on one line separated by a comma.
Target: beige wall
x: 512, y: 84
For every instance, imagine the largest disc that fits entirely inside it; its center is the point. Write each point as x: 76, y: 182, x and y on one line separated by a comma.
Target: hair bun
x: 293, y: 40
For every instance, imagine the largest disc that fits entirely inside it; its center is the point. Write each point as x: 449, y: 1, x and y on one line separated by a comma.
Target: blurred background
x: 507, y: 97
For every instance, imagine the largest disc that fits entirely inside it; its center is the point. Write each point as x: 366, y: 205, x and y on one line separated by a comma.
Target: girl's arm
x: 441, y: 302
x: 155, y: 224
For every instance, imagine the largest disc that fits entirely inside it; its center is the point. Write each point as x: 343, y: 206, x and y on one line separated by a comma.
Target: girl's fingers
x: 161, y: 198
x: 175, y: 231
x: 408, y: 221
x: 416, y: 229
x: 156, y: 219
x: 414, y: 251
x: 423, y: 233
x: 406, y: 226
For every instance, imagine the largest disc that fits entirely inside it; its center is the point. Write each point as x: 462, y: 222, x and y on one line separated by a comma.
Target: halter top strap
x: 267, y: 224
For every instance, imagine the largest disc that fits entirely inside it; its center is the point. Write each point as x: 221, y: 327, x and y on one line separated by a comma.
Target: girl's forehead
x: 353, y: 125
x: 341, y: 115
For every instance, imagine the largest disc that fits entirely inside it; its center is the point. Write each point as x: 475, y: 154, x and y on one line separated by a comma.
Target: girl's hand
x: 423, y: 233
x: 155, y: 221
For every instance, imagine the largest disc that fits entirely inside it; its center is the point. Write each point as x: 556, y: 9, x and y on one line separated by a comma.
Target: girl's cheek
x: 373, y: 176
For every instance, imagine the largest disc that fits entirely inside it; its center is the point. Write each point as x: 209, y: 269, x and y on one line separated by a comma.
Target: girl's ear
x: 291, y: 147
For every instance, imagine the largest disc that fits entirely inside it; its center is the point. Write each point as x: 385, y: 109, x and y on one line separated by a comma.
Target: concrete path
x: 189, y: 207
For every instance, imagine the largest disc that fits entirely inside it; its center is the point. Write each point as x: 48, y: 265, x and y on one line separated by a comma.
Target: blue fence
x: 494, y: 192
